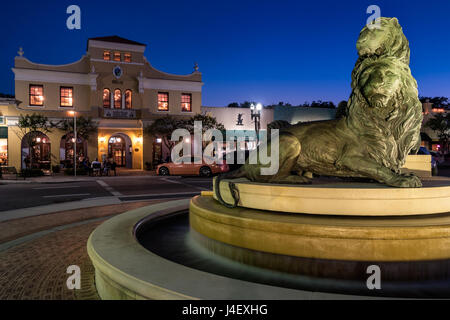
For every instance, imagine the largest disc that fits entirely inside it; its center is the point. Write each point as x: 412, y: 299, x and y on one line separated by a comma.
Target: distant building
x: 239, y: 124
x: 294, y: 115
x: 114, y: 84
x: 430, y: 138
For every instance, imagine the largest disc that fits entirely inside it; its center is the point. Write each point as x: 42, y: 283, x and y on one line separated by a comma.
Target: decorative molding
x: 34, y: 75
x: 116, y: 46
x: 122, y: 62
x: 179, y: 85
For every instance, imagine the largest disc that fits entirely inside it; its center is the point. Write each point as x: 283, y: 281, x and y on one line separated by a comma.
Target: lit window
x: 116, y: 56
x: 127, y: 57
x: 106, y: 55
x: 128, y: 99
x: 186, y: 102
x: 66, y: 97
x: 163, y: 101
x: 117, y: 99
x: 36, y: 95
x: 106, y: 98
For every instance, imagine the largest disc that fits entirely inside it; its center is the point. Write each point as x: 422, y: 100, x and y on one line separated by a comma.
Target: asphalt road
x: 17, y: 196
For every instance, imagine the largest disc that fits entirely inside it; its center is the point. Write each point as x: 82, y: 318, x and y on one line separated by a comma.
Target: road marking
x: 185, y: 184
x: 109, y: 188
x: 67, y: 195
x: 59, y: 187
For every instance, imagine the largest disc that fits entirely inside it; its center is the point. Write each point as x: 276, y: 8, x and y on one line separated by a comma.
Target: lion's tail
x: 238, y: 173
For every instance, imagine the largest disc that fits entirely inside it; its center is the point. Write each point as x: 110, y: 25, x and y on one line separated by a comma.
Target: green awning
x: 3, y: 132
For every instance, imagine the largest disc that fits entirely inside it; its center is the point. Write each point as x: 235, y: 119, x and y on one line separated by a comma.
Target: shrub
x: 56, y: 169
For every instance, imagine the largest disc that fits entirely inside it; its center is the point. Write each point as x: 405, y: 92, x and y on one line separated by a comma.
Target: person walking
x: 113, y: 167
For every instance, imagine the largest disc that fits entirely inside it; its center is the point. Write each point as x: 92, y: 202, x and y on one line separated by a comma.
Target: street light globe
x: 259, y: 107
x: 252, y: 106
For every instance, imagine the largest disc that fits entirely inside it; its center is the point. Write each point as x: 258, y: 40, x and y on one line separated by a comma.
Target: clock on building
x: 117, y: 72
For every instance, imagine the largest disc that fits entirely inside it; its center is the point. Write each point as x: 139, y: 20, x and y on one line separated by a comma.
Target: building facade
x: 115, y: 85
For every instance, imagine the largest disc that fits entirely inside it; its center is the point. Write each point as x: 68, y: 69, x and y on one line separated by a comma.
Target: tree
x: 245, y: 104
x: 233, y: 105
x: 85, y: 126
x: 208, y: 122
x: 436, y: 101
x: 163, y: 127
x: 440, y: 123
x: 29, y: 128
x: 341, y: 109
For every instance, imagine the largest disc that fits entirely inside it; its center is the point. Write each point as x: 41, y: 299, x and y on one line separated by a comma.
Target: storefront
x: 3, y: 145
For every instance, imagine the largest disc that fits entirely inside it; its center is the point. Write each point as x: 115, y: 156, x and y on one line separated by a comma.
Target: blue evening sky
x: 267, y: 51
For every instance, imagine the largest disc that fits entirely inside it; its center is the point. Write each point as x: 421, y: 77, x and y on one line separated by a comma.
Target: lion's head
x: 384, y: 108
x: 388, y: 39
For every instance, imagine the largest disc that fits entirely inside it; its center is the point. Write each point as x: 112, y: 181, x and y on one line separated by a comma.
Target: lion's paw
x: 405, y: 181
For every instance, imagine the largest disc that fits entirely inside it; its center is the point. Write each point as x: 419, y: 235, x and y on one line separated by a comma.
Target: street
x: 17, y: 196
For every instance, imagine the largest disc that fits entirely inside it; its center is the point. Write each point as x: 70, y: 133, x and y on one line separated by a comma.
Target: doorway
x: 117, y: 150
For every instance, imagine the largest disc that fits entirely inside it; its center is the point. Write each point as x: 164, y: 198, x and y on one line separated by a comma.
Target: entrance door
x: 117, y: 150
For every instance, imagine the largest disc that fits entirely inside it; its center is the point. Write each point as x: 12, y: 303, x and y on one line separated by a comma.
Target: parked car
x: 189, y: 167
x: 434, y: 169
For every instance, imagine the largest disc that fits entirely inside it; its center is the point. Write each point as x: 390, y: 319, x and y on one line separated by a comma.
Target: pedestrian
x: 106, y: 167
x: 96, y: 166
x: 113, y: 166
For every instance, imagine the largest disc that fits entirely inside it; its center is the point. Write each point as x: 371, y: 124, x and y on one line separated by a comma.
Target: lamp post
x: 74, y: 115
x: 256, y: 116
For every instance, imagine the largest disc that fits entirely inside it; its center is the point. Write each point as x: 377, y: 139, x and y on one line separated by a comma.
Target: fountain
x: 261, y: 236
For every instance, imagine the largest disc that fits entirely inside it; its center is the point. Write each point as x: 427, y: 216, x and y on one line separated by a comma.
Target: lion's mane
x: 390, y: 129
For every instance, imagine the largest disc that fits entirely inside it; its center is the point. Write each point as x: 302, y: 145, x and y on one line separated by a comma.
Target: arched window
x: 106, y: 98
x: 128, y: 99
x: 117, y: 99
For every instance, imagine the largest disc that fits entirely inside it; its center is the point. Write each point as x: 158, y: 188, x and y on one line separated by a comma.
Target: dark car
x: 434, y: 169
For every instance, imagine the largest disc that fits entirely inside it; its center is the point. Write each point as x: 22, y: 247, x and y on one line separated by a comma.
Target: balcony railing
x: 120, y: 113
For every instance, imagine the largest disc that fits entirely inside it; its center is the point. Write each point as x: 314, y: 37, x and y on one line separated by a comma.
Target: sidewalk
x: 61, y: 178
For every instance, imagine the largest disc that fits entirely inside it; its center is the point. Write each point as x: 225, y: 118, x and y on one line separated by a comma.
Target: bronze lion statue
x: 380, y: 128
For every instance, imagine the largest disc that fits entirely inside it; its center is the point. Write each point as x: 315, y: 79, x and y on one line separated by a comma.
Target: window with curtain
x: 127, y: 57
x: 36, y: 95
x: 66, y: 97
x: 163, y: 101
x: 106, y: 55
x: 116, y: 56
x: 186, y: 102
x: 106, y: 98
x: 128, y: 99
x: 117, y: 99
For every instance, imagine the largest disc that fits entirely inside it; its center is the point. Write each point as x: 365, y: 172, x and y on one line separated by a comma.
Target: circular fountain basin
x: 125, y: 269
x: 331, y: 196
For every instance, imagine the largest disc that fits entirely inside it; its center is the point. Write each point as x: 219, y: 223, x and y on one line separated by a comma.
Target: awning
x: 3, y: 132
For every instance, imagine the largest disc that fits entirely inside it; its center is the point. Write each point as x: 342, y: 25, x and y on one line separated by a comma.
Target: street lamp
x: 256, y: 116
x: 74, y: 115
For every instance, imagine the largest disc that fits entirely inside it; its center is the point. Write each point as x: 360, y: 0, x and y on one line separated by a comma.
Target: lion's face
x: 379, y: 85
x: 388, y: 39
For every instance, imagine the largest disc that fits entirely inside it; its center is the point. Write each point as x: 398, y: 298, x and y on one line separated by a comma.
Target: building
x: 430, y: 138
x: 293, y: 115
x: 240, y: 125
x: 114, y: 84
